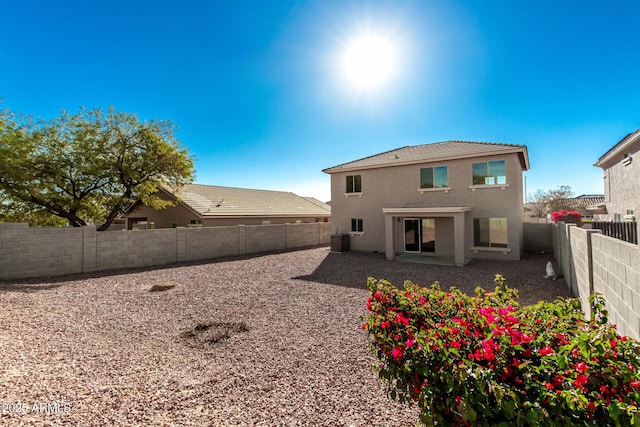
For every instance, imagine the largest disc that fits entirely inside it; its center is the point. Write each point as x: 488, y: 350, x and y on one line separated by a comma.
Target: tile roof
x: 212, y: 201
x: 432, y: 152
x: 587, y: 200
x: 617, y: 152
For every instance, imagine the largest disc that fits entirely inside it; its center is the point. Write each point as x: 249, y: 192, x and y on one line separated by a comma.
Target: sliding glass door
x: 419, y: 235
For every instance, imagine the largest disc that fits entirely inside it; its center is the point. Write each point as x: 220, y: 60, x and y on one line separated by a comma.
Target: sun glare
x: 368, y: 62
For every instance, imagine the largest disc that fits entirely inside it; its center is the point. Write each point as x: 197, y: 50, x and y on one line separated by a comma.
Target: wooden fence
x: 627, y: 231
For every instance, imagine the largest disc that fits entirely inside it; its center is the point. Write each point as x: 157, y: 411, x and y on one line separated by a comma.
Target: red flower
x: 401, y: 319
x: 582, y: 367
x: 557, y: 381
x: 592, y: 406
x: 545, y: 351
x: 581, y: 380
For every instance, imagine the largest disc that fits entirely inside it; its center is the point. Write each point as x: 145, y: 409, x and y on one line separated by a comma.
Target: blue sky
x: 253, y: 85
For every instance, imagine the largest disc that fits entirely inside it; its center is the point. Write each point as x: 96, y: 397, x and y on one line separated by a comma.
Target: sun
x: 368, y: 62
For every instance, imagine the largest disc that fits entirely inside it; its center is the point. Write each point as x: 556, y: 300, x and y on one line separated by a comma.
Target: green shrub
x: 485, y: 361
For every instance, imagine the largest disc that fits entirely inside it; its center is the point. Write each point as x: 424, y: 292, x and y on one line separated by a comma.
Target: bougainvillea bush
x: 567, y: 216
x: 485, y: 361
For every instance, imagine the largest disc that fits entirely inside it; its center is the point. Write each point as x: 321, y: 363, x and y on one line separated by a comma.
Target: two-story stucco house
x: 621, y: 166
x: 454, y: 199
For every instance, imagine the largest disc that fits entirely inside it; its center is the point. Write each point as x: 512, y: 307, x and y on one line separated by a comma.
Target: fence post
x: 89, y: 249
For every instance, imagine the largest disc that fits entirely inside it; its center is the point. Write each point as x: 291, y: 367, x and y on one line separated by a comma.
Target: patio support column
x: 458, y: 238
x: 388, y: 236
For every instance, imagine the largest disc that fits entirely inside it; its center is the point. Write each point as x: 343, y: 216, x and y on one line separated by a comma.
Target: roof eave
x: 524, y: 161
x: 608, y: 158
x: 265, y: 215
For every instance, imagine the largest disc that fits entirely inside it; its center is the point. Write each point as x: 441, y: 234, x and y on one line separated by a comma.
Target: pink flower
x: 397, y: 353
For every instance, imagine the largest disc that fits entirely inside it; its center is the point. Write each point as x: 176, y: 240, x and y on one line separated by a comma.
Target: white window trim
x: 482, y: 186
x: 346, y: 195
x: 357, y: 233
x: 477, y: 249
x: 431, y: 190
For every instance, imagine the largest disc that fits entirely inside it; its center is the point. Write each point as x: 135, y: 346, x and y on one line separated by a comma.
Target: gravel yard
x: 106, y: 351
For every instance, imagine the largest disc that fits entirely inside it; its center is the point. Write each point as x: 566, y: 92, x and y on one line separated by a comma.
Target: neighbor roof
x: 629, y: 143
x: 213, y: 201
x: 439, y: 151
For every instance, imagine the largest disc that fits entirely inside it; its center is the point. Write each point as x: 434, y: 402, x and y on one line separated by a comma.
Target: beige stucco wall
x: 397, y: 187
x: 622, y: 187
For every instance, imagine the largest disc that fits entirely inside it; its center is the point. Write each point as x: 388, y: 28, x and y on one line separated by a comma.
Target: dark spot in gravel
x: 211, y: 333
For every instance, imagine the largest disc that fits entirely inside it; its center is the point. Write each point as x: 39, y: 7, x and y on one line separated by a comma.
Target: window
x: 354, y: 184
x: 490, y: 232
x: 434, y: 177
x: 356, y: 225
x: 490, y: 173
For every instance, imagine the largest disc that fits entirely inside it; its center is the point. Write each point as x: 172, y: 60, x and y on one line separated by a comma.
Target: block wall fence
x: 594, y: 263
x: 32, y: 252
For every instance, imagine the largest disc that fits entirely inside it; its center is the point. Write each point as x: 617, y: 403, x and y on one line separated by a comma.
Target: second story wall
x: 622, y: 188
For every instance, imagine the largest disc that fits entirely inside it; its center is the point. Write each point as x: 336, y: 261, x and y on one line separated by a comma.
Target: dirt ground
x: 271, y: 340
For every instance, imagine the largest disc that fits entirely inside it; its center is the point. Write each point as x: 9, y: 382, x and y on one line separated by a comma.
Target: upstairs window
x: 489, y: 173
x: 436, y: 177
x: 354, y: 184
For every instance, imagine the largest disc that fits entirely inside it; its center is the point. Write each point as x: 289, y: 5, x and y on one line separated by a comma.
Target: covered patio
x: 456, y: 213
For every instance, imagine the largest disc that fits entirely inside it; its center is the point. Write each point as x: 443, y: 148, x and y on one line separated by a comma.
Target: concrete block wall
x: 208, y: 242
x: 141, y: 248
x: 604, y: 265
x: 300, y: 236
x: 28, y: 252
x: 616, y: 275
x: 35, y: 252
x: 582, y: 283
x: 537, y: 237
x: 263, y: 238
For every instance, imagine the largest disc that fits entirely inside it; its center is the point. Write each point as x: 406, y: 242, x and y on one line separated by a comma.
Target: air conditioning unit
x: 629, y: 218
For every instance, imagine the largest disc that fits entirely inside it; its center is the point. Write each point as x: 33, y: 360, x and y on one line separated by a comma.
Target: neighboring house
x: 207, y: 205
x: 541, y: 212
x: 621, y: 166
x: 583, y: 202
x: 452, y: 199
